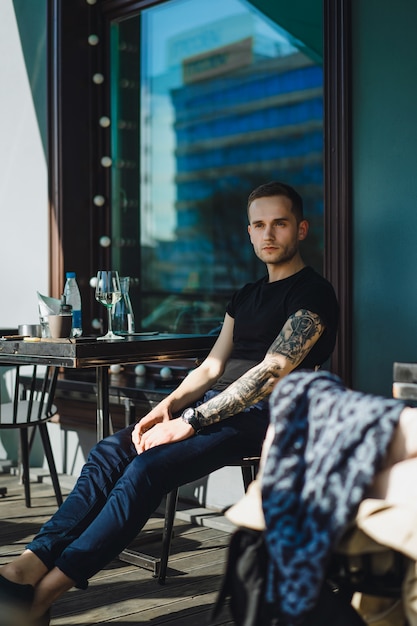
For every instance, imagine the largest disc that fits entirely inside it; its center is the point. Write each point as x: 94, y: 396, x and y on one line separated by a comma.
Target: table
x: 88, y: 352
x: 404, y: 386
x: 84, y: 352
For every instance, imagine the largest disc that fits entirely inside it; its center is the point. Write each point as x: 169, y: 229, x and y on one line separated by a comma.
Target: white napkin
x: 48, y: 306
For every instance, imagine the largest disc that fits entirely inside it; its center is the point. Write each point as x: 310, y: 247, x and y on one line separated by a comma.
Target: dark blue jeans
x: 118, y: 490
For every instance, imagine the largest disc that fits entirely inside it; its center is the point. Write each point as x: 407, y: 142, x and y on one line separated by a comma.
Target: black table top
x: 90, y: 352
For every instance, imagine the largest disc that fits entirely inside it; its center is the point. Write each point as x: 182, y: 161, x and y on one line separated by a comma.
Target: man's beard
x: 284, y: 256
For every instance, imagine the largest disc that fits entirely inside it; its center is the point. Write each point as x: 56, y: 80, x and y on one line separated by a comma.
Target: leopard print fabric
x: 328, y: 444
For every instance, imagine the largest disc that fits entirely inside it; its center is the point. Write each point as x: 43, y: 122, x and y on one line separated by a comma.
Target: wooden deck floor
x: 123, y: 594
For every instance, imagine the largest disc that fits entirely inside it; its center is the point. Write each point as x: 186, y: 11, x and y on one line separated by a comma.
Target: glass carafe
x: 123, y: 320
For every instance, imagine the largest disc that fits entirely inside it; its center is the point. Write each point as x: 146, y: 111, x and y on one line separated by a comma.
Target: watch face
x: 188, y: 414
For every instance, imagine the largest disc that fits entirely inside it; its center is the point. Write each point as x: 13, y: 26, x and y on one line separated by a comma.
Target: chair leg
x: 130, y: 412
x: 170, y: 509
x: 24, y: 450
x: 46, y: 442
x: 249, y: 474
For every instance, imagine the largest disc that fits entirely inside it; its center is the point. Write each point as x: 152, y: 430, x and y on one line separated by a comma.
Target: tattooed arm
x: 297, y: 337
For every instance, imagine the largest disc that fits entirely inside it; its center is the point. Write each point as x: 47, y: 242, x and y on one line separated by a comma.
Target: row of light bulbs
x: 104, y: 121
x: 106, y: 161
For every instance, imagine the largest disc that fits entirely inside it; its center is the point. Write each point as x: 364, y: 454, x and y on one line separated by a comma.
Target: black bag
x: 244, y: 582
x: 245, y: 579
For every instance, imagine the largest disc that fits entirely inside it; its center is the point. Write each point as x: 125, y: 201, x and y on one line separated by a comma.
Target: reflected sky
x: 172, y: 20
x: 172, y: 32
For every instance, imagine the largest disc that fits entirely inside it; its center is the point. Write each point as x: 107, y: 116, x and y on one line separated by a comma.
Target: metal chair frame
x: 29, y: 410
x: 158, y: 566
x: 249, y: 466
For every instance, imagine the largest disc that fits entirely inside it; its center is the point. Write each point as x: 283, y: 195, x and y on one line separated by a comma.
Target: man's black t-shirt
x: 261, y: 309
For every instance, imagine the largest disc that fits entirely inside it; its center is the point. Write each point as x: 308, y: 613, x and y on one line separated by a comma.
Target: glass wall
x: 208, y: 100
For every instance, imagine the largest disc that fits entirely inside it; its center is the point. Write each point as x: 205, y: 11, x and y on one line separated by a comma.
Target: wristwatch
x: 191, y: 417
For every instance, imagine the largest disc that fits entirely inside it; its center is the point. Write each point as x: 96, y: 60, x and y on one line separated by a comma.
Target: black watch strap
x: 191, y: 417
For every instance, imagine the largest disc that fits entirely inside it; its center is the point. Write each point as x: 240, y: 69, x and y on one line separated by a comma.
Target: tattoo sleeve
x: 297, y: 337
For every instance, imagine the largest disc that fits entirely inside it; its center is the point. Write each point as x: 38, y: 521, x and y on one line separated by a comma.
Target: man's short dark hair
x: 274, y: 188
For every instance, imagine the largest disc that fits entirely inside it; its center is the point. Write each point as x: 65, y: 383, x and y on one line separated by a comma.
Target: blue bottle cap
x: 70, y: 275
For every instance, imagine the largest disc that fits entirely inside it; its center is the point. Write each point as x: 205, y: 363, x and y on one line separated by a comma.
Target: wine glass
x: 108, y: 292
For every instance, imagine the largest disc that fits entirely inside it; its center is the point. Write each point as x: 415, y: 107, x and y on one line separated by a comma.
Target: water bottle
x: 73, y: 297
x: 123, y: 320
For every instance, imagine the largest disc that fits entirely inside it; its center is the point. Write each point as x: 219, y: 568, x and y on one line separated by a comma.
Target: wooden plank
x: 131, y: 593
x: 122, y: 593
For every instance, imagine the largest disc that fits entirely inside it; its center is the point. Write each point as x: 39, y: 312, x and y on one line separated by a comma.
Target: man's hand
x: 159, y: 433
x: 156, y: 416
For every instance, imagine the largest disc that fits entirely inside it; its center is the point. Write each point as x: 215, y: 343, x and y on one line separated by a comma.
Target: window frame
x: 76, y: 143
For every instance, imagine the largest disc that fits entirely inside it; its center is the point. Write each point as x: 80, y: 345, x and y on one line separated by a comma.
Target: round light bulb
x: 93, y: 282
x: 105, y: 241
x: 93, y: 40
x: 165, y: 373
x: 140, y: 370
x: 91, y: 2
x: 98, y: 78
x: 115, y: 368
x: 96, y: 324
x: 104, y: 121
x: 99, y: 200
x: 106, y: 161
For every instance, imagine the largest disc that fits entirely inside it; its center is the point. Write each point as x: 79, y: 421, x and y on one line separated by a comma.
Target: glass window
x: 208, y: 100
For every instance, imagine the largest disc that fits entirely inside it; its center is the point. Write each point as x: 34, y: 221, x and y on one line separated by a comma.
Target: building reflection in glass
x: 227, y: 101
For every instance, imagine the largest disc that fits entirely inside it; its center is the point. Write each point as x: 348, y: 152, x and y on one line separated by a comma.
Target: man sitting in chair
x: 216, y: 416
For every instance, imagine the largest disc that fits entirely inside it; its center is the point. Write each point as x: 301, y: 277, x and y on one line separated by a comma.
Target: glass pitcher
x: 123, y: 320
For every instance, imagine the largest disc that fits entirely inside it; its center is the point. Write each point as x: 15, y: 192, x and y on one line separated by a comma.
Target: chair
x: 30, y: 409
x: 249, y: 466
x: 377, y: 574
x: 366, y: 573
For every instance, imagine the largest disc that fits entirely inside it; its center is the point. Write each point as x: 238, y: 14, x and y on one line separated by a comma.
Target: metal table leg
x: 103, y: 430
x: 103, y: 412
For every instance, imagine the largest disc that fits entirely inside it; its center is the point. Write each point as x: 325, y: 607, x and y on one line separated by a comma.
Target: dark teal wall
x: 31, y: 18
x: 385, y: 189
